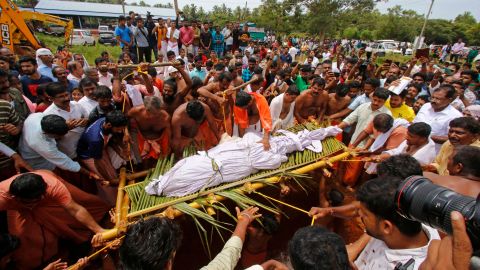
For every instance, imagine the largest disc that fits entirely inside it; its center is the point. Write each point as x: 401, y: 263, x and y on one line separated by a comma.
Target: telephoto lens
x: 417, y: 198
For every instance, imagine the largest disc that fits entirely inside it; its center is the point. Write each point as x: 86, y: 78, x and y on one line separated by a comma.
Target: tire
x: 85, y: 43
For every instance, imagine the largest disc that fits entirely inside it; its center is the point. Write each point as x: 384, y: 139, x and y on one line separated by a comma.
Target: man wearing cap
x: 45, y: 63
x: 123, y: 34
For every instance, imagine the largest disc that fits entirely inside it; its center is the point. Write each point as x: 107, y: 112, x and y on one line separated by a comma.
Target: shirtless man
x: 154, y: 125
x: 173, y: 92
x: 213, y: 93
x: 339, y: 100
x: 312, y: 102
x: 250, y: 109
x: 464, y: 172
x: 188, y: 120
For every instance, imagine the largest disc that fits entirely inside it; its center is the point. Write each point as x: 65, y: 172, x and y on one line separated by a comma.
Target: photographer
x: 394, y: 239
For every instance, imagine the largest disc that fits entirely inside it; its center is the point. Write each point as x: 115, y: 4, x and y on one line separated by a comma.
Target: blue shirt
x: 46, y: 71
x: 71, y: 85
x: 247, y: 74
x: 124, y: 34
x: 91, y: 142
x: 286, y: 58
x: 198, y: 73
x: 359, y: 100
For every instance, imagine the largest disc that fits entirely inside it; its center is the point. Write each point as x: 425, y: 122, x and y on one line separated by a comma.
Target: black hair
x: 198, y: 58
x: 3, y: 74
x: 220, y: 67
x: 8, y: 244
x: 469, y: 157
x: 472, y: 73
x: 195, y: 110
x: 416, y: 86
x: 381, y: 93
x: 116, y: 118
x: 209, y: 63
x: 102, y: 91
x: 41, y: 89
x: 98, y: 60
x: 378, y: 197
x: 469, y: 124
x: 402, y: 166
x: 54, y: 124
x: 327, y: 61
x: 225, y: 76
x: 86, y: 82
x: 424, y: 98
x: 383, y: 122
x: 242, y: 99
x: 28, y: 186
x: 450, y: 90
x: 374, y: 82
x: 342, y: 90
x: 336, y: 197
x: 268, y: 223
x: 420, y: 129
x: 421, y: 75
x: 55, y: 88
x: 316, y: 248
x: 252, y: 60
x: 391, y: 79
x: 257, y: 70
x: 354, y: 84
x: 152, y: 72
x: 293, y: 90
x: 459, y: 82
x: 319, y: 81
x: 170, y: 53
x: 172, y: 83
x: 150, y: 244
x: 30, y: 59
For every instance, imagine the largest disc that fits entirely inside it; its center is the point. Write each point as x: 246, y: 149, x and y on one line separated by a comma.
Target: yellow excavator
x: 18, y: 35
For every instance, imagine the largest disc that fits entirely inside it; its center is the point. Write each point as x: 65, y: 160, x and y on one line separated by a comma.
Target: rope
x: 223, y: 112
x: 286, y: 204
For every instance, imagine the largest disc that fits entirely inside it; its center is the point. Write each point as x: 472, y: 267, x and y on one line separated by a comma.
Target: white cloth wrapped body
x: 232, y: 161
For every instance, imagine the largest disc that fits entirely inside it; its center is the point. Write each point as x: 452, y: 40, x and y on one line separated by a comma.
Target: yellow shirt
x: 406, y: 112
x: 441, y: 160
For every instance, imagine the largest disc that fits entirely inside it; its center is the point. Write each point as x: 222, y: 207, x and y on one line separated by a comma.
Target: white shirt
x: 73, y: 78
x: 227, y: 33
x: 326, y: 55
x: 376, y: 254
x: 424, y: 155
x: 39, y: 150
x: 458, y: 47
x: 68, y: 143
x: 438, y: 121
x: 87, y: 104
x: 293, y: 52
x: 363, y: 115
x: 134, y: 95
x: 276, y: 107
x: 105, y: 80
x: 314, y: 61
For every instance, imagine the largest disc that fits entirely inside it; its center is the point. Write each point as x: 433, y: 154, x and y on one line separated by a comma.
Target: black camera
x: 417, y: 198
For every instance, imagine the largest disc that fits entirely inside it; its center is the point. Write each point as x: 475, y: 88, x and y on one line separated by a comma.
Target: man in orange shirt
x: 161, y: 31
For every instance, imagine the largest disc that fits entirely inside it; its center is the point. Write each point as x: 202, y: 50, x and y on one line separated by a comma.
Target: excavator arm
x: 51, y: 19
x: 15, y: 33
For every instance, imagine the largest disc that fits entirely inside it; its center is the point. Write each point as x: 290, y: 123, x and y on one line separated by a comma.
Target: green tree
x: 143, y: 4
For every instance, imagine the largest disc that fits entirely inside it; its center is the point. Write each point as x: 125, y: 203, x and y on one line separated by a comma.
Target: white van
x: 82, y: 37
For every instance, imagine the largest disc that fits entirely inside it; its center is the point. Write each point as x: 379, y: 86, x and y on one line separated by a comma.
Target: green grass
x: 90, y: 52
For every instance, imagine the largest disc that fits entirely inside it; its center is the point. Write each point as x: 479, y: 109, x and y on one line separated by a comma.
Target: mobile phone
x: 369, y: 54
x: 388, y: 61
x: 421, y: 53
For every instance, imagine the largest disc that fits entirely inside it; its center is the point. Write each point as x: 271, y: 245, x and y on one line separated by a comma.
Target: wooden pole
x: 134, y: 66
x: 120, y: 193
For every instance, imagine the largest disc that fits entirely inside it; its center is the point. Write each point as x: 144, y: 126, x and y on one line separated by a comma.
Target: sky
x: 442, y: 9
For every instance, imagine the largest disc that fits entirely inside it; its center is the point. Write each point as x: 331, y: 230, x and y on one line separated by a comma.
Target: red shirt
x: 186, y: 35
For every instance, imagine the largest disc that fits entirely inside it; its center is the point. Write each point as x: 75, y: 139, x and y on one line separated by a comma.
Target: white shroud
x: 234, y: 160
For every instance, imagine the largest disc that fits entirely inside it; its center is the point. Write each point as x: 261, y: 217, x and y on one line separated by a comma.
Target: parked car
x: 103, y: 28
x: 384, y: 47
x: 107, y: 38
x: 82, y: 37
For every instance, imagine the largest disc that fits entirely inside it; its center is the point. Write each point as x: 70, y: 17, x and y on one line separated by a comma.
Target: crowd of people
x: 68, y: 126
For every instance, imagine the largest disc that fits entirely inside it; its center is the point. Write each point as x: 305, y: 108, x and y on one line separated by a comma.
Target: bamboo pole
x: 120, y: 194
x: 112, y: 233
x: 134, y: 66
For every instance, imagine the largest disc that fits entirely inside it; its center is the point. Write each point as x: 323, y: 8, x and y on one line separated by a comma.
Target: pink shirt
x: 186, y: 35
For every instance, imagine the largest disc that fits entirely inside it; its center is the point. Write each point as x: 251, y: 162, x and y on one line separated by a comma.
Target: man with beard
x: 193, y: 122
x: 219, y: 101
x: 391, y: 239
x: 462, y: 131
x: 312, y: 103
x: 104, y: 96
x: 13, y: 96
x: 438, y: 113
x: 101, y: 150
x: 31, y: 78
x: 153, y: 123
x: 60, y: 73
x: 198, y: 71
x: 173, y: 92
x: 104, y: 77
x: 464, y: 172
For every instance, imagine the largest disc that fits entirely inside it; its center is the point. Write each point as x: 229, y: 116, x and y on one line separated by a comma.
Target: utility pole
x: 417, y: 45
x: 123, y: 7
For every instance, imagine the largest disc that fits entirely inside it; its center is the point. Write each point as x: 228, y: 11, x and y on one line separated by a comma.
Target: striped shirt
x: 8, y: 115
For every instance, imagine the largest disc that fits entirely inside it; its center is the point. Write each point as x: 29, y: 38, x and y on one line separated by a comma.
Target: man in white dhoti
x: 172, y: 35
x: 282, y: 108
x: 234, y: 160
